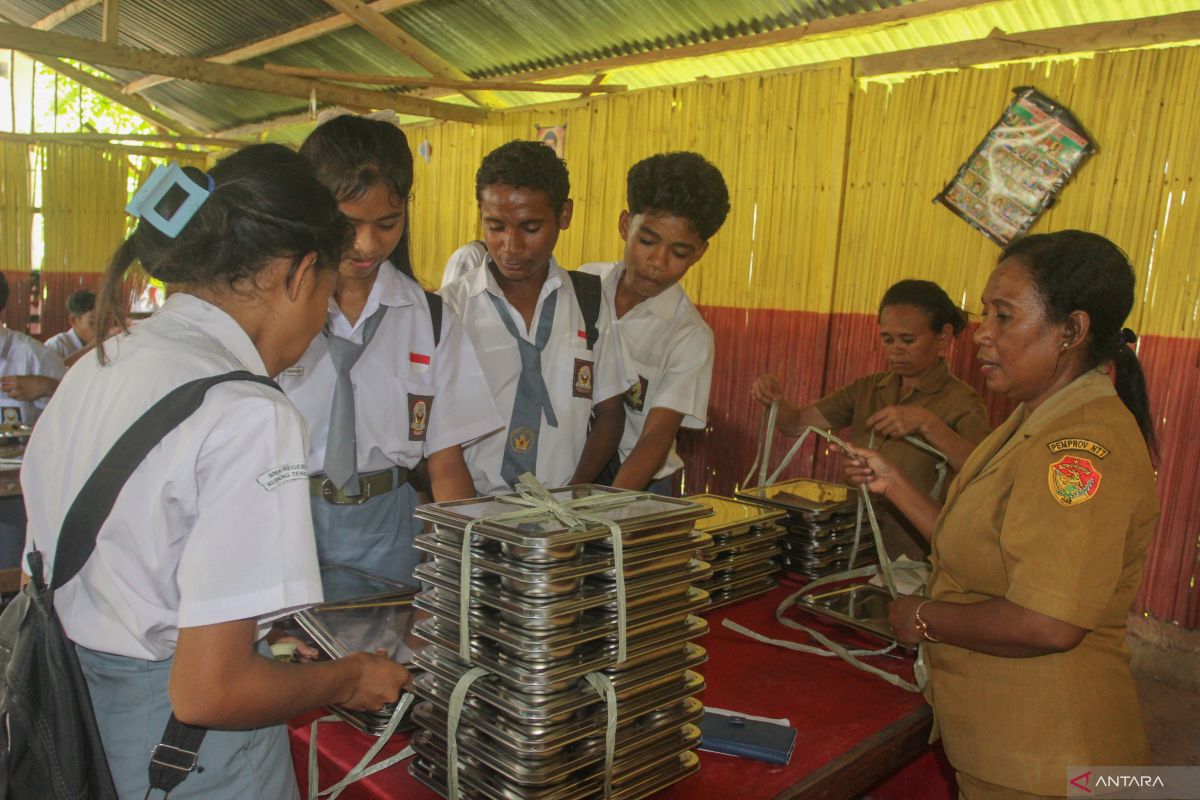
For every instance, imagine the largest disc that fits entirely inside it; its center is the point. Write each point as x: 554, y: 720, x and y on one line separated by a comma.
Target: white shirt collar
x: 663, y: 306
x: 390, y: 289
x: 216, y: 323
x: 482, y: 280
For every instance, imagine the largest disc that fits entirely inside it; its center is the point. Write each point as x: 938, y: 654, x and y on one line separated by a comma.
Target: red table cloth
x: 836, y: 709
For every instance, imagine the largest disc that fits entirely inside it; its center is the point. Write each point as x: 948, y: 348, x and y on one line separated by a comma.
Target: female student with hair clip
x: 212, y: 531
x: 1038, y: 551
x: 380, y: 387
x: 917, y: 395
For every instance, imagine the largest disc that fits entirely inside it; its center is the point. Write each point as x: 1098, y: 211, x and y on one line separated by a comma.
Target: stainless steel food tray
x: 733, y: 516
x: 804, y: 498
x: 446, y: 670
x: 862, y: 606
x: 643, y: 514
x: 741, y: 590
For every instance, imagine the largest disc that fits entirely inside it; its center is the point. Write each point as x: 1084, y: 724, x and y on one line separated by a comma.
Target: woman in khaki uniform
x: 1038, y: 552
x: 916, y: 395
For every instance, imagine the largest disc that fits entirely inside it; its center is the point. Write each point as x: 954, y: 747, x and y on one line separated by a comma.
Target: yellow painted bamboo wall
x: 779, y: 244
x: 83, y: 203
x: 16, y: 206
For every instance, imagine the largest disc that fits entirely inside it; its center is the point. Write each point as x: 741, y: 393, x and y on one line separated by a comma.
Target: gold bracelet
x: 921, y: 625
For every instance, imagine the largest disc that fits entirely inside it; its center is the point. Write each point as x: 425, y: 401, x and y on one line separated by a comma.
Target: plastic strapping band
x: 360, y: 770
x: 604, y: 688
x: 454, y: 714
x: 576, y: 515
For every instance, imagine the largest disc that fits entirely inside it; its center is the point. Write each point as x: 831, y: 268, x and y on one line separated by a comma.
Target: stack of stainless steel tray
x: 820, y: 525
x: 745, y: 548
x: 542, y: 616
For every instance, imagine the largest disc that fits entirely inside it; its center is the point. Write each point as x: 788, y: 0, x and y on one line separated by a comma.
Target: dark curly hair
x: 1081, y: 271
x: 930, y: 298
x: 266, y: 204
x: 351, y: 154
x: 680, y: 184
x: 525, y: 165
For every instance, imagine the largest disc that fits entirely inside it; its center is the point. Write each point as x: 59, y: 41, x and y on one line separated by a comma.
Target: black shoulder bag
x: 50, y: 746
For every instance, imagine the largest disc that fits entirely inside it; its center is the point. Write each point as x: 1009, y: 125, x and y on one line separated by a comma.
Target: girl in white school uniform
x: 211, y: 534
x: 392, y: 379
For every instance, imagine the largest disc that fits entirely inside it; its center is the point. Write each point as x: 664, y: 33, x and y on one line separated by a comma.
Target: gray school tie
x: 525, y: 424
x: 341, y: 447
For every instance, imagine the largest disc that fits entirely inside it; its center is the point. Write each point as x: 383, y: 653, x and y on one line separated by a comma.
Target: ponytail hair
x: 1081, y: 271
x: 265, y: 203
x: 351, y: 154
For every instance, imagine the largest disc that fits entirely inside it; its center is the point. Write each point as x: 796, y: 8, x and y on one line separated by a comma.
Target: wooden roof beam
x: 63, y: 14
x: 442, y: 83
x: 47, y: 43
x: 271, y: 44
x: 1001, y: 46
x: 112, y: 90
x: 102, y: 138
x: 108, y: 21
x: 403, y: 42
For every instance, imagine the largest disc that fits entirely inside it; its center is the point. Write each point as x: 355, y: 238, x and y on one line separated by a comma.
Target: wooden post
x: 109, y: 25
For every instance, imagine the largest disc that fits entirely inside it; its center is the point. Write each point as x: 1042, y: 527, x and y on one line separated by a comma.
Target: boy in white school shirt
x: 676, y: 202
x: 29, y: 372
x: 81, y: 315
x: 534, y: 340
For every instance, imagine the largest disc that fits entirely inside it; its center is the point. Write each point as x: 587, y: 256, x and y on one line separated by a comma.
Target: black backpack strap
x: 587, y: 294
x: 435, y: 315
x: 175, y: 758
x: 77, y: 537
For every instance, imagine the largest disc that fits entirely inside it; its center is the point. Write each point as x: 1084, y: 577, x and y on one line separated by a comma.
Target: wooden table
x: 855, y: 730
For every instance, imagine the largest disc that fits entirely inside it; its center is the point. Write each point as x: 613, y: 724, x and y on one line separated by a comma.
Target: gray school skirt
x: 375, y: 536
x: 132, y: 708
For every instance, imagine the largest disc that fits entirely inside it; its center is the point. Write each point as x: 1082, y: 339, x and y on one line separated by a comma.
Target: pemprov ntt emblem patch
x: 1073, y: 480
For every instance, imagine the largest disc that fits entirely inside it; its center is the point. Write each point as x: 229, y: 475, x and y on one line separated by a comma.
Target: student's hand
x: 896, y: 422
x: 27, y: 388
x: 902, y: 614
x: 378, y: 682
x: 865, y: 467
x: 304, y: 650
x: 766, y: 389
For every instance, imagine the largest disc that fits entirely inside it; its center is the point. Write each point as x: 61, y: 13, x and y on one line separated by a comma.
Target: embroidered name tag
x: 1073, y: 480
x: 284, y: 473
x: 419, y: 406
x: 1088, y: 446
x: 292, y: 372
x: 582, y: 381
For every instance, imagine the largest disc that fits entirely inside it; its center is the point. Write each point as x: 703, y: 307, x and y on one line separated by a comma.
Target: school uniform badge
x: 635, y: 396
x: 1073, y: 480
x: 419, y: 406
x: 582, y: 381
x: 10, y: 415
x: 521, y: 439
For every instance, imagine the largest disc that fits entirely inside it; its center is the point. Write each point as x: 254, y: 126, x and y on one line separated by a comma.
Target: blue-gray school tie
x: 525, y: 424
x: 341, y: 447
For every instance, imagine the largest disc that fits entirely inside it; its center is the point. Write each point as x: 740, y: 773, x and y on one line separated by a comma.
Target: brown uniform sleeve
x: 972, y: 422
x: 838, y: 407
x: 1065, y: 527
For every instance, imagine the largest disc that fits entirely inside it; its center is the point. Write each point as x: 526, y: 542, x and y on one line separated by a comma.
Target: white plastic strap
x: 457, y: 698
x: 361, y: 769
x: 604, y: 688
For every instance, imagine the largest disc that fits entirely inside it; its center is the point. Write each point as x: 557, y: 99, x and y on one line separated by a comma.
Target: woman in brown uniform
x: 916, y: 395
x: 1038, y: 552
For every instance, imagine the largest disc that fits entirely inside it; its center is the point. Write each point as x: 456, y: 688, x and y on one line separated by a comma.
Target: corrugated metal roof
x: 494, y: 38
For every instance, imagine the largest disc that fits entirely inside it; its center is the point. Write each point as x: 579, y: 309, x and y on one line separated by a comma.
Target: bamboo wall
x: 831, y: 185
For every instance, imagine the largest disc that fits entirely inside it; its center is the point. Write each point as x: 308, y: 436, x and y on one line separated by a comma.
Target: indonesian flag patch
x: 1073, y: 480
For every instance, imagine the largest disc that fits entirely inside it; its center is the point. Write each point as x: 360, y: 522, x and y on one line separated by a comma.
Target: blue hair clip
x: 151, y: 193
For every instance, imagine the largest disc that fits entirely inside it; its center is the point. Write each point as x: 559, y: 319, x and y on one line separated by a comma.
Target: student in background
x: 30, y: 372
x: 464, y: 261
x: 81, y: 314
x: 212, y: 533
x: 551, y: 366
x: 391, y: 383
x: 675, y: 202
